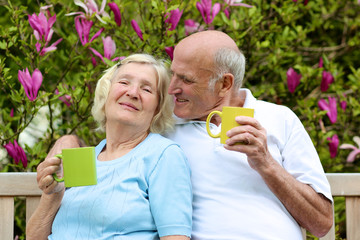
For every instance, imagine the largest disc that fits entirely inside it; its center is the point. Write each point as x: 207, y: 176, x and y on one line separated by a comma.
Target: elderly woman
x: 144, y: 189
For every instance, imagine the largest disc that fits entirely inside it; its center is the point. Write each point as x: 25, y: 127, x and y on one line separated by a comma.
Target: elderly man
x: 266, y: 187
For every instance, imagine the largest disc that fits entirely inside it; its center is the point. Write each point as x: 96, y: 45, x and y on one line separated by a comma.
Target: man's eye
x: 187, y: 81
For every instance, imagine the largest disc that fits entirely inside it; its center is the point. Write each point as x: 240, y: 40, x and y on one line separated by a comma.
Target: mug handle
x: 54, y: 175
x: 208, y: 124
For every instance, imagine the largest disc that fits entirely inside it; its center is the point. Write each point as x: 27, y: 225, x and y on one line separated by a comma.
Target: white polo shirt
x: 230, y: 199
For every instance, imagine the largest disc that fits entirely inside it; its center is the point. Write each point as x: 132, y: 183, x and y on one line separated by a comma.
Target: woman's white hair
x: 163, y: 119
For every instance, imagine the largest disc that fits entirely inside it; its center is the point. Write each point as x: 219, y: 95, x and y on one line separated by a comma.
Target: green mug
x: 79, y: 167
x: 228, y: 122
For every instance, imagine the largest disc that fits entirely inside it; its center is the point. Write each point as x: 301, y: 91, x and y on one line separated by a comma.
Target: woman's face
x: 133, y: 97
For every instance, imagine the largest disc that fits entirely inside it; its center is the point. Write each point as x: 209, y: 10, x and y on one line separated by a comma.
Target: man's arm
x: 40, y: 223
x: 310, y: 209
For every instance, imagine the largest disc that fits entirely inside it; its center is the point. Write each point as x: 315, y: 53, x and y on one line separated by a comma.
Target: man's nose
x: 174, y: 86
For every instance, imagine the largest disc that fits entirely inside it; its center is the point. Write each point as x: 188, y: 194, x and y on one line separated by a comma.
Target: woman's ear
x: 226, y: 84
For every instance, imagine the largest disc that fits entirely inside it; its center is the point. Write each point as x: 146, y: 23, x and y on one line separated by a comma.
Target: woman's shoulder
x: 159, y: 139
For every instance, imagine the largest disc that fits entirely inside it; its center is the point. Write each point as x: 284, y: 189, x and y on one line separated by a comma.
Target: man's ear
x: 226, y: 84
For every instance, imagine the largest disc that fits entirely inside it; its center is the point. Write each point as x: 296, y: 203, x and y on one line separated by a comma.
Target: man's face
x: 189, y: 86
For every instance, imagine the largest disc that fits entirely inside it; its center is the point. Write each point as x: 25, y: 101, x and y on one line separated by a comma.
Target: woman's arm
x: 40, y: 223
x: 175, y: 237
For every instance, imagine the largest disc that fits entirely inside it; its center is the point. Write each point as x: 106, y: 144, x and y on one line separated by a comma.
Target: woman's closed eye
x: 147, y: 89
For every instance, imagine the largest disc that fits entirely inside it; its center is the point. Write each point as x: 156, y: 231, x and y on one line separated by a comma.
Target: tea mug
x: 228, y: 122
x: 79, y: 167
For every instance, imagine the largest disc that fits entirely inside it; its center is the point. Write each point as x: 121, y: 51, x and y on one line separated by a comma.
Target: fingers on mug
x: 54, y: 174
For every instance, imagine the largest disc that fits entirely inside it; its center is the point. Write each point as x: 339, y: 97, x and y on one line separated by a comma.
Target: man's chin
x: 182, y: 114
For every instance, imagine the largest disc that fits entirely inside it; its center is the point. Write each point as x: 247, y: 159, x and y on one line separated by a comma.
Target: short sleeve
x: 170, y: 193
x: 302, y: 161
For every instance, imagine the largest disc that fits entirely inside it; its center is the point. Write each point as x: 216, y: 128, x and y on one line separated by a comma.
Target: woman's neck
x: 117, y: 145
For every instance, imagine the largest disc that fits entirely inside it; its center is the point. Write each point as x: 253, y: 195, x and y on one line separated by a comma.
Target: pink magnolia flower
x: 137, y: 29
x: 329, y: 107
x: 43, y: 32
x: 343, y: 105
x: 65, y: 99
x: 109, y: 49
x: 30, y: 83
x: 207, y: 10
x: 117, y: 15
x: 234, y: 3
x: 327, y: 79
x: 333, y: 145
x: 91, y: 8
x: 305, y: 2
x: 321, y: 62
x: 83, y: 28
x: 237, y: 3
x: 16, y: 152
x: 192, y: 26
x: 355, y: 150
x: 293, y: 79
x: 173, y: 18
x: 170, y: 52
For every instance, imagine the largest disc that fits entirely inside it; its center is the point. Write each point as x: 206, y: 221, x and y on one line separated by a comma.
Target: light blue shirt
x: 142, y: 195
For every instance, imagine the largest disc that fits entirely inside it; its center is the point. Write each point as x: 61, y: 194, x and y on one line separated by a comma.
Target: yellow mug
x: 228, y: 122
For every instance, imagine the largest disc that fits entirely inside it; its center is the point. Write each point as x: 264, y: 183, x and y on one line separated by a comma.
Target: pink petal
x: 323, y: 105
x: 35, y: 24
x: 137, y: 29
x: 200, y: 7
x: 38, y: 46
x: 293, y: 79
x: 333, y: 145
x: 327, y: 79
x: 97, y: 54
x: 321, y: 62
x: 117, y: 15
x: 351, y: 157
x: 10, y: 148
x: 170, y: 52
x: 109, y: 47
x: 357, y: 140
x: 79, y: 29
x: 343, y: 105
x: 97, y: 34
x: 347, y: 146
x: 215, y: 10
x: 174, y: 18
x: 20, y: 154
x: 37, y: 79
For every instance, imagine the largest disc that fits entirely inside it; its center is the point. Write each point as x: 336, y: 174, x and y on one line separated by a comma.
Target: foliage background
x: 274, y: 36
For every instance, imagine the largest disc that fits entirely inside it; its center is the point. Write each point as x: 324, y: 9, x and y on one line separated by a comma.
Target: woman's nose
x: 133, y: 92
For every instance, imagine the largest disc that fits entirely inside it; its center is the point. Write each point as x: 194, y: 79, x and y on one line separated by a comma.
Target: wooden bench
x: 25, y: 185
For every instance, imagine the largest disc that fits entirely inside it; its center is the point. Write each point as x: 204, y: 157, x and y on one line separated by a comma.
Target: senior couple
x: 268, y: 188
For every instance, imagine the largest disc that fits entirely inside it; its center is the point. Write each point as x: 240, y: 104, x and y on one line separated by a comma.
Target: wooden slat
x: 31, y: 205
x: 344, y: 184
x: 19, y: 184
x: 6, y: 218
x: 352, y: 218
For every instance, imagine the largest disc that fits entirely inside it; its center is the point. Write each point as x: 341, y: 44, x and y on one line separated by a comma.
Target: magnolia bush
x: 300, y: 53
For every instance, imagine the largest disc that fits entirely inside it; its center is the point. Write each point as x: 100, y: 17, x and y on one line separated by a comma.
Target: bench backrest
x: 24, y: 185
